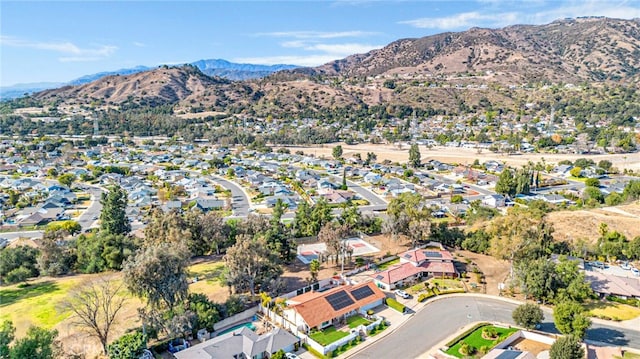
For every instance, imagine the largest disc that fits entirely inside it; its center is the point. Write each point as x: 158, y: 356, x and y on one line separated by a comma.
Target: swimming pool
x: 239, y: 326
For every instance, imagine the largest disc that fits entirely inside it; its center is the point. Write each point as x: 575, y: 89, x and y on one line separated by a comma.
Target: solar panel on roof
x: 339, y: 300
x: 509, y: 354
x: 433, y: 254
x: 379, y: 277
x: 362, y: 293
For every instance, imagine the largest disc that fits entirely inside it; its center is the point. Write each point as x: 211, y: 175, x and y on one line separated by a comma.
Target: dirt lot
x: 495, y: 271
x: 623, y: 219
x: 464, y: 155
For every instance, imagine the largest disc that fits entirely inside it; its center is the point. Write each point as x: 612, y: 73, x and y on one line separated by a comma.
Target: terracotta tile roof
x: 408, y: 269
x: 397, y: 273
x: 315, y: 309
x: 418, y: 255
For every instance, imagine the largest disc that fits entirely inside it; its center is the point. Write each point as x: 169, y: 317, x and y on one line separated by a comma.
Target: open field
x: 464, y: 155
x: 623, y: 219
x: 40, y: 303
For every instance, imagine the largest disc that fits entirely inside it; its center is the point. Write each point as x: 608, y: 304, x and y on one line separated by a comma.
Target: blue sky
x: 57, y: 41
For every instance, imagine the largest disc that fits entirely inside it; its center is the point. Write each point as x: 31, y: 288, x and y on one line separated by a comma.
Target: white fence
x: 234, y: 319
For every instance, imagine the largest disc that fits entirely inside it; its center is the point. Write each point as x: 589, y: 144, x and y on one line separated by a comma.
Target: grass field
x: 388, y: 264
x: 356, y: 320
x: 476, y: 340
x: 616, y: 311
x: 328, y: 335
x: 40, y: 302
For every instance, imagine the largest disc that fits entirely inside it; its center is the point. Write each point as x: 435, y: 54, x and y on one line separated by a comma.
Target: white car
x: 635, y: 271
x: 291, y: 356
x: 402, y: 293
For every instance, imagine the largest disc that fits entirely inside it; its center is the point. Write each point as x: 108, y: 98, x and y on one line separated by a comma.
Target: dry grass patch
x: 615, y: 311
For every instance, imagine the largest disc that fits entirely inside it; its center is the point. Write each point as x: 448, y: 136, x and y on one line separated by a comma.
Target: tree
x: 206, y: 311
x: 592, y: 182
x: 528, y: 315
x: 215, y: 230
x: 130, y: 345
x: 314, y: 269
x: 280, y: 354
x: 337, y: 152
x: 569, y: 318
x: 39, y: 343
x: 332, y: 236
x: 566, y: 347
x: 506, y: 184
x: 66, y: 179
x: 158, y: 273
x: 371, y: 158
x: 7, y: 333
x: 95, y: 307
x: 113, y: 218
x: 605, y: 165
x: 414, y: 155
x: 537, y: 278
x: 55, y: 255
x: 249, y: 262
x: 17, y: 264
x: 576, y: 172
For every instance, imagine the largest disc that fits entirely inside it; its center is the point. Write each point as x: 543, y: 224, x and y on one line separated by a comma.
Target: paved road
x: 88, y: 218
x: 240, y: 201
x: 373, y: 199
x: 11, y: 236
x: 442, y: 318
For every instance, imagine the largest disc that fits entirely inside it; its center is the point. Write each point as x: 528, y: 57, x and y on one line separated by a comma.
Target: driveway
x: 442, y: 318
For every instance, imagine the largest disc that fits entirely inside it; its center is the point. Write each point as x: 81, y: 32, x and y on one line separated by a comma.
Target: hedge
x: 394, y: 304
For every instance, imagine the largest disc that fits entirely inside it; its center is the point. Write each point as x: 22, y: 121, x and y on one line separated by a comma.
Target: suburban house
x: 322, y: 309
x: 494, y: 200
x: 608, y: 284
x: 416, y: 264
x: 241, y: 344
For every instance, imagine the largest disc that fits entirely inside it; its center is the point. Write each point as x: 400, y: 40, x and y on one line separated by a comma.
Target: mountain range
x: 443, y: 71
x: 213, y: 67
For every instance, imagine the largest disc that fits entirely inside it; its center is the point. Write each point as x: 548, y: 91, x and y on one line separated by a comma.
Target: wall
x: 235, y: 319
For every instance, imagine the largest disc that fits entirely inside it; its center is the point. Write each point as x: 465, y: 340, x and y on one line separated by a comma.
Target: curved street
x: 442, y: 318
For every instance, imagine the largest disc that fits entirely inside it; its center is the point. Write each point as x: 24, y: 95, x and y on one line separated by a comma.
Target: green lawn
x: 357, y: 320
x: 388, y: 264
x: 476, y: 340
x: 328, y: 335
x: 447, y: 283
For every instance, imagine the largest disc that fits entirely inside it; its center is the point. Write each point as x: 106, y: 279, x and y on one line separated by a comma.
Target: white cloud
x: 464, y: 20
x: 300, y: 60
x: 139, y: 44
x: 343, y: 49
x: 316, y: 34
x: 73, y: 52
x: 538, y: 14
x: 619, y: 10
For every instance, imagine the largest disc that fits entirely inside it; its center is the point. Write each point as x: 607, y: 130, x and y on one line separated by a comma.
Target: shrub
x: 394, y: 304
x: 370, y: 312
x: 466, y: 349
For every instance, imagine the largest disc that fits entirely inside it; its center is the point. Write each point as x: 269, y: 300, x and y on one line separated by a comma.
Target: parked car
x: 625, y: 266
x: 402, y: 294
x: 635, y: 272
x: 291, y: 356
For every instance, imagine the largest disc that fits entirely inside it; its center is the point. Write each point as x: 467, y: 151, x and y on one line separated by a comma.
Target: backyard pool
x: 239, y: 326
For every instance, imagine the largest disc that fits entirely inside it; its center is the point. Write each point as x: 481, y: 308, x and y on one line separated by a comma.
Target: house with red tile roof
x: 417, y: 264
x: 322, y: 309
